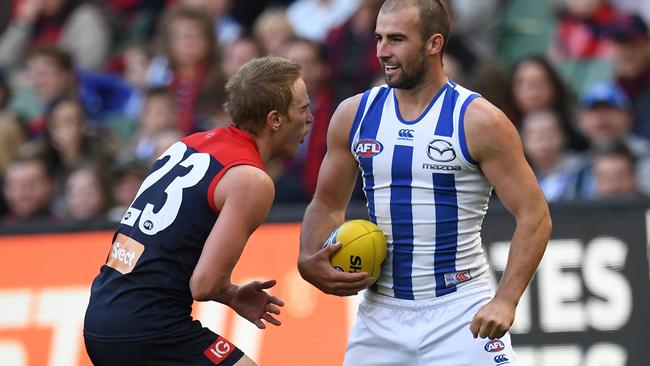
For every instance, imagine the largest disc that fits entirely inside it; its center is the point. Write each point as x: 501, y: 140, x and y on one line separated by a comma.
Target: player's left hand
x: 493, y: 320
x: 254, y: 304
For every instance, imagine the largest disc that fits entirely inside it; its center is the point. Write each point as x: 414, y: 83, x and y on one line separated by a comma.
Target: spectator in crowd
x: 227, y: 29
x: 12, y: 135
x: 50, y: 74
x: 238, y: 53
x: 296, y: 178
x: 157, y: 115
x: 87, y: 194
x: 132, y: 68
x: 74, y: 25
x: 606, y: 120
x: 28, y: 189
x: 69, y: 143
x: 128, y: 175
x: 582, y: 29
x: 272, y: 30
x: 189, y: 67
x: 537, y: 86
x: 545, y: 146
x: 477, y: 22
x: 632, y: 59
x: 132, y: 21
x: 492, y: 82
x: 313, y: 19
x: 351, y: 51
x: 614, y: 173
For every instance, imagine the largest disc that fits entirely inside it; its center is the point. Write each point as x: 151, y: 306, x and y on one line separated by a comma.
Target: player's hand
x: 493, y: 320
x: 254, y: 304
x: 317, y: 270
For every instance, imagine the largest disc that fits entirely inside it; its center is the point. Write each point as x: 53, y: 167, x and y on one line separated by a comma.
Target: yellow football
x: 363, y: 248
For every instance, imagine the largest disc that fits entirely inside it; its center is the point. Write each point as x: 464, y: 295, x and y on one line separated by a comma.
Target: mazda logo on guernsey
x: 495, y: 346
x: 405, y: 134
x: 367, y: 148
x: 441, y: 150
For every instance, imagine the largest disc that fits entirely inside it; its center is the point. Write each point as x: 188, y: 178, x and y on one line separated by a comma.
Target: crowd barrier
x: 588, y: 304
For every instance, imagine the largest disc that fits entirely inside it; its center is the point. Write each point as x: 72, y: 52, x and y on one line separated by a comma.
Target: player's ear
x: 435, y: 43
x: 273, y: 120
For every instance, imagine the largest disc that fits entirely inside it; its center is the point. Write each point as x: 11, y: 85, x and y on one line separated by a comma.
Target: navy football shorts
x: 207, y: 349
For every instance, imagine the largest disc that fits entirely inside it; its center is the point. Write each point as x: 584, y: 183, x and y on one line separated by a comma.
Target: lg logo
x: 405, y: 134
x: 219, y: 350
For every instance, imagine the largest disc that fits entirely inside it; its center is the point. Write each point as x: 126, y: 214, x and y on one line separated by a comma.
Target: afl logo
x: 494, y: 346
x: 441, y: 150
x: 367, y: 148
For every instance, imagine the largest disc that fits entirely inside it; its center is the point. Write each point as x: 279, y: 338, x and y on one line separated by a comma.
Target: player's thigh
x: 117, y: 353
x: 380, y: 337
x: 451, y: 343
x: 245, y: 361
x: 205, y: 349
x: 483, y: 352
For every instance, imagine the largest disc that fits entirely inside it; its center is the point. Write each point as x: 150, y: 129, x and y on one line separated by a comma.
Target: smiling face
x: 296, y: 124
x: 400, y: 47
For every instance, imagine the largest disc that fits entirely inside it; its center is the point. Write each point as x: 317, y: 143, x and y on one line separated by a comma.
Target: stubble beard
x: 409, y: 78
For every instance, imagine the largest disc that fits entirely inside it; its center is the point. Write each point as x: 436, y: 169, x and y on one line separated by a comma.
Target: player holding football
x: 430, y: 153
x: 187, y: 227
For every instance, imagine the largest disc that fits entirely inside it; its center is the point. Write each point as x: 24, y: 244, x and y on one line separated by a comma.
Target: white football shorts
x: 432, y: 332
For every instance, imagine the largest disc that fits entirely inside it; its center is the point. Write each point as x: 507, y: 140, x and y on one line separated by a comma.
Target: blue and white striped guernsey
x: 424, y: 191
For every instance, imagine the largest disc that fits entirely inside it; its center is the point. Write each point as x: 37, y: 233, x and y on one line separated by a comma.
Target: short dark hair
x: 615, y: 149
x: 259, y: 87
x: 434, y: 16
x: 62, y: 59
x: 32, y: 153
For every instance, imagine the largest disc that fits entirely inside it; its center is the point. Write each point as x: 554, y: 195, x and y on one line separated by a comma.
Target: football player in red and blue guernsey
x: 184, y: 232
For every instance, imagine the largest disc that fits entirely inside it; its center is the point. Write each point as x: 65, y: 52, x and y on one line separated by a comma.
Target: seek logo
x: 219, y: 350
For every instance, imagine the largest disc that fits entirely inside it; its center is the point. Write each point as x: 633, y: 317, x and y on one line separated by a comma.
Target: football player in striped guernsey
x: 430, y: 154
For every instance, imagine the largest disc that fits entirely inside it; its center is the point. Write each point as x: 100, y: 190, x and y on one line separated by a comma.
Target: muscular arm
x: 495, y: 144
x: 244, y: 197
x: 326, y: 211
x: 240, y: 214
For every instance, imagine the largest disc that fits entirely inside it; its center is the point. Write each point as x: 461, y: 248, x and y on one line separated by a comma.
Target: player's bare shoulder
x: 487, y: 128
x: 343, y: 118
x: 238, y: 183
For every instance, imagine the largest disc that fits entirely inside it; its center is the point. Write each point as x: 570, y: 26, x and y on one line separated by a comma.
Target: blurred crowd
x: 91, y: 92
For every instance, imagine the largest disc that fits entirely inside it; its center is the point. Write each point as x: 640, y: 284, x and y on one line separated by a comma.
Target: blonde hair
x: 259, y: 87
